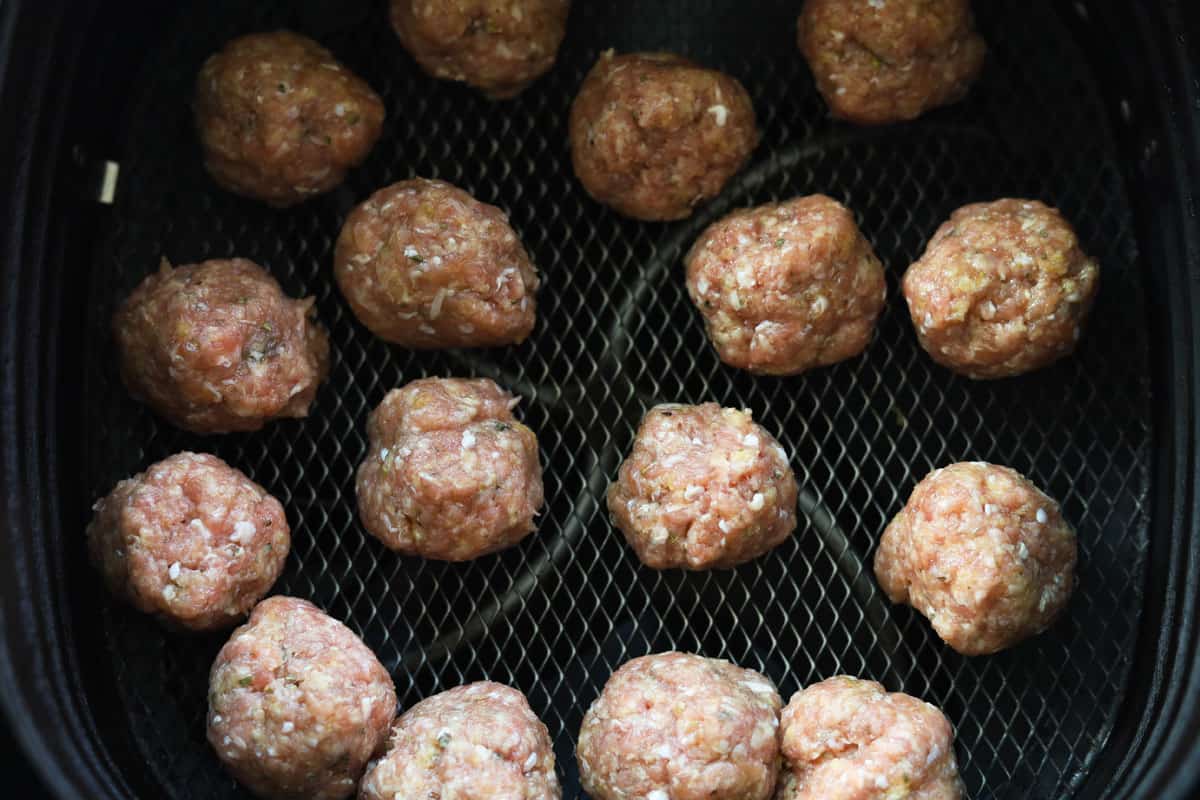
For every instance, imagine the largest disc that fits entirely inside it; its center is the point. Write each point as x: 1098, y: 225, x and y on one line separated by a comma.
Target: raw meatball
x: 704, y: 487
x: 786, y: 287
x: 476, y: 742
x: 879, y: 61
x: 297, y: 704
x: 450, y: 474
x: 676, y: 726
x: 981, y: 552
x: 423, y: 264
x: 1003, y: 288
x: 280, y: 119
x: 654, y: 135
x: 191, y: 540
x: 499, y: 46
x: 217, y: 347
x: 849, y: 739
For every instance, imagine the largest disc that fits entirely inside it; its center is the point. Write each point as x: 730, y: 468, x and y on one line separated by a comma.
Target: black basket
x: 1085, y: 107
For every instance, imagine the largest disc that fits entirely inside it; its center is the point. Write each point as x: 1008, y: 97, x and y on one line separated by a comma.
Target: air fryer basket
x: 1063, y: 715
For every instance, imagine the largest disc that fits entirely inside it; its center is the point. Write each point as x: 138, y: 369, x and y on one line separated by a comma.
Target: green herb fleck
x: 443, y: 739
x: 282, y: 88
x: 245, y: 680
x: 417, y: 258
x: 779, y: 242
x: 502, y: 426
x: 268, y: 327
x: 353, y: 118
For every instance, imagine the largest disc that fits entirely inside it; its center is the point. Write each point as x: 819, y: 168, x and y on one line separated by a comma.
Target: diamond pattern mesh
x: 616, y: 334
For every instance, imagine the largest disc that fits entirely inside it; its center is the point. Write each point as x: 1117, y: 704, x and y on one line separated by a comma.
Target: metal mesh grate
x: 615, y: 335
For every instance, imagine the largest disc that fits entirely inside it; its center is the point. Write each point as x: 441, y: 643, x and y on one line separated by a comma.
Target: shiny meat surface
x: 786, y: 287
x: 481, y: 741
x: 191, y: 540
x: 981, y: 552
x: 297, y: 704
x: 280, y: 119
x: 653, y: 135
x: 880, y: 61
x: 1003, y: 288
x: 704, y: 487
x: 850, y: 739
x: 425, y: 265
x: 216, y: 347
x: 450, y: 473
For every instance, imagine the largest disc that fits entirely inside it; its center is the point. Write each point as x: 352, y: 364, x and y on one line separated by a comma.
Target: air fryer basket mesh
x: 616, y: 334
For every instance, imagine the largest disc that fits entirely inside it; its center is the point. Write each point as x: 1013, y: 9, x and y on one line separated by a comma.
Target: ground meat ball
x: 1003, y: 288
x: 849, y: 739
x: 879, y: 61
x: 423, y: 264
x: 297, y: 704
x: 191, y: 540
x: 280, y: 119
x: 499, y: 46
x: 676, y: 726
x: 217, y: 347
x: 981, y: 552
x: 654, y: 135
x: 450, y: 473
x: 786, y: 287
x: 703, y: 487
x: 476, y: 742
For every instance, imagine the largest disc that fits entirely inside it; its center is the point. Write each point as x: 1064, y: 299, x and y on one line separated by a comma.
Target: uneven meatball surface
x: 786, y: 287
x: 677, y: 726
x: 1002, y: 289
x: 280, y: 119
x: 217, y: 346
x: 704, y: 487
x: 984, y: 554
x: 498, y: 46
x: 450, y: 473
x: 297, y: 704
x: 423, y: 264
x: 191, y: 540
x: 880, y: 61
x: 653, y: 135
x: 481, y: 741
x: 850, y: 739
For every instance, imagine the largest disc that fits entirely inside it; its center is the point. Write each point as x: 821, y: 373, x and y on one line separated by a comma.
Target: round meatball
x: 498, y: 46
x: 191, y: 540
x: 216, y: 347
x: 1003, y: 288
x: 676, y: 726
x: 653, y: 135
x: 877, y: 62
x: 704, y: 487
x: 280, y: 119
x: 297, y: 704
x: 786, y: 287
x: 850, y: 739
x: 450, y: 474
x: 981, y: 552
x: 476, y: 742
x: 425, y: 265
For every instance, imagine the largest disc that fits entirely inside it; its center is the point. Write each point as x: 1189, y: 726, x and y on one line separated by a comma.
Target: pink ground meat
x: 879, y: 61
x: 425, y: 265
x: 450, y: 473
x: 476, y: 742
x: 297, y: 704
x: 280, y: 119
x: 191, y: 540
x: 704, y: 487
x: 497, y: 46
x: 676, y: 726
x: 653, y: 135
x: 981, y: 552
x: 850, y: 739
x: 1003, y: 288
x: 216, y: 347
x: 786, y: 287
